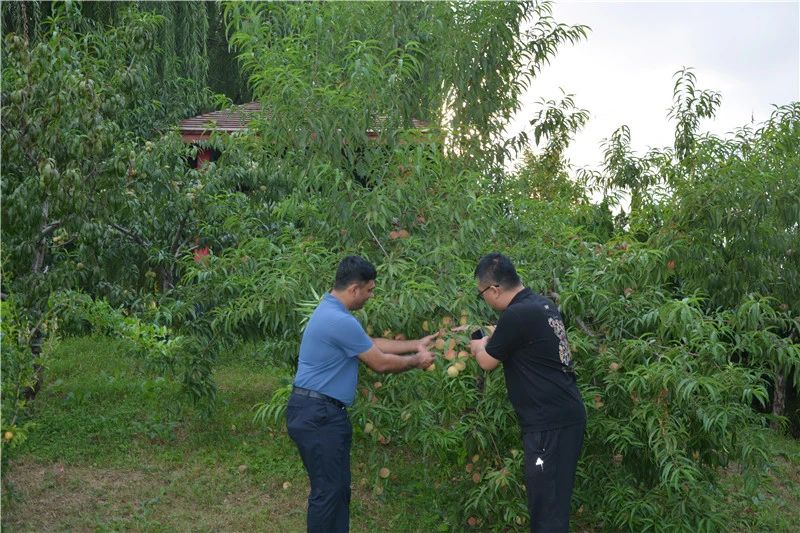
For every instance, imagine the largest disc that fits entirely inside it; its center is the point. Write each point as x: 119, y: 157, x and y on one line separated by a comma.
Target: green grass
x: 116, y: 449
x: 774, y: 503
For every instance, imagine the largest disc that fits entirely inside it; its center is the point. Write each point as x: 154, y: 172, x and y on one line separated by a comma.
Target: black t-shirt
x: 531, y: 342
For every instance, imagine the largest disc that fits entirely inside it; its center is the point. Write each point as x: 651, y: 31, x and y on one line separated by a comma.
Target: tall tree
x: 459, y: 66
x: 191, y: 41
x: 76, y: 106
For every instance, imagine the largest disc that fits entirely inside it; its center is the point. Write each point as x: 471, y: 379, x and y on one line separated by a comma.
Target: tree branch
x: 376, y: 240
x: 48, y: 229
x: 176, y: 242
x: 585, y: 328
x: 134, y: 237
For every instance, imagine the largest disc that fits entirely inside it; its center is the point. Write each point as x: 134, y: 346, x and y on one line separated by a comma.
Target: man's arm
x: 385, y: 363
x: 408, y: 346
x: 478, y: 349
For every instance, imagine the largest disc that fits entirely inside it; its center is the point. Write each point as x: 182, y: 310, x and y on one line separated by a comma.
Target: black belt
x: 314, y: 394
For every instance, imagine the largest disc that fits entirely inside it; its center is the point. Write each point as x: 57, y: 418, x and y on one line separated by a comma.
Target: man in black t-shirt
x: 531, y: 342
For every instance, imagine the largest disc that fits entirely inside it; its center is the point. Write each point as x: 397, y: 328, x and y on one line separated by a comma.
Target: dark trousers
x: 550, y: 460
x: 323, y: 435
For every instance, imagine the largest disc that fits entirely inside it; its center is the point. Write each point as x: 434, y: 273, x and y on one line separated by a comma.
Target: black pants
x: 323, y: 434
x: 550, y: 461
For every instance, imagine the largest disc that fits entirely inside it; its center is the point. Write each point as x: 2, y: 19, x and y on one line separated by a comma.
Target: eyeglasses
x: 480, y: 294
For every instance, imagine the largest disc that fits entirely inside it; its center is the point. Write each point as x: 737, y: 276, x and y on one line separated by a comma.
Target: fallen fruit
x: 286, y: 485
x: 384, y: 472
x: 598, y: 402
x: 452, y: 371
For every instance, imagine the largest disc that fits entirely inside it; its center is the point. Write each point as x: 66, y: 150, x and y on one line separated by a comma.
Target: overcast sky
x: 623, y: 72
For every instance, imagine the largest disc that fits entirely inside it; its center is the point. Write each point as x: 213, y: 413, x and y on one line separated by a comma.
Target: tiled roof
x: 227, y: 120
x: 238, y: 118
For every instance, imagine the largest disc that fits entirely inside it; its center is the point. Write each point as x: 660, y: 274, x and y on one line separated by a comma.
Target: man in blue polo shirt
x: 325, y: 384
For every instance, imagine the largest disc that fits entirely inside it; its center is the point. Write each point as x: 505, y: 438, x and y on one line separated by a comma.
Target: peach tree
x: 673, y: 382
x: 676, y: 349
x: 78, y: 98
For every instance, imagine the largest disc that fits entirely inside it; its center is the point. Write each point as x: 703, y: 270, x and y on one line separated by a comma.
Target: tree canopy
x: 386, y: 139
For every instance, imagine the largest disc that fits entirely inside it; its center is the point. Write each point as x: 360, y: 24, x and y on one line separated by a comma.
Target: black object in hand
x: 477, y: 334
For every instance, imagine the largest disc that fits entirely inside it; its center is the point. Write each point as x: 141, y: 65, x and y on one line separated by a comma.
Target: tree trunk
x: 35, y: 343
x: 37, y: 337
x: 167, y: 279
x: 779, y: 397
x: 168, y: 273
x: 38, y: 257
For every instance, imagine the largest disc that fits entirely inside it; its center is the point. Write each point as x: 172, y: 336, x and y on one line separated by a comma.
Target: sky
x: 623, y: 72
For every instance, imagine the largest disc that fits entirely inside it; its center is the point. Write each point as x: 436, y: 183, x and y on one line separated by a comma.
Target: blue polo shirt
x: 329, y: 351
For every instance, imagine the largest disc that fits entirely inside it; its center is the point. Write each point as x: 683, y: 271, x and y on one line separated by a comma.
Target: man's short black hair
x: 353, y: 269
x: 497, y: 269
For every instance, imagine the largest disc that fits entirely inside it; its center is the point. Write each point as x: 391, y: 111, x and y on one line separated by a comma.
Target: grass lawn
x: 114, y: 449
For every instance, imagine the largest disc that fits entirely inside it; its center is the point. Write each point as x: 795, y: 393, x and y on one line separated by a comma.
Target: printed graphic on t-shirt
x: 563, y: 346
